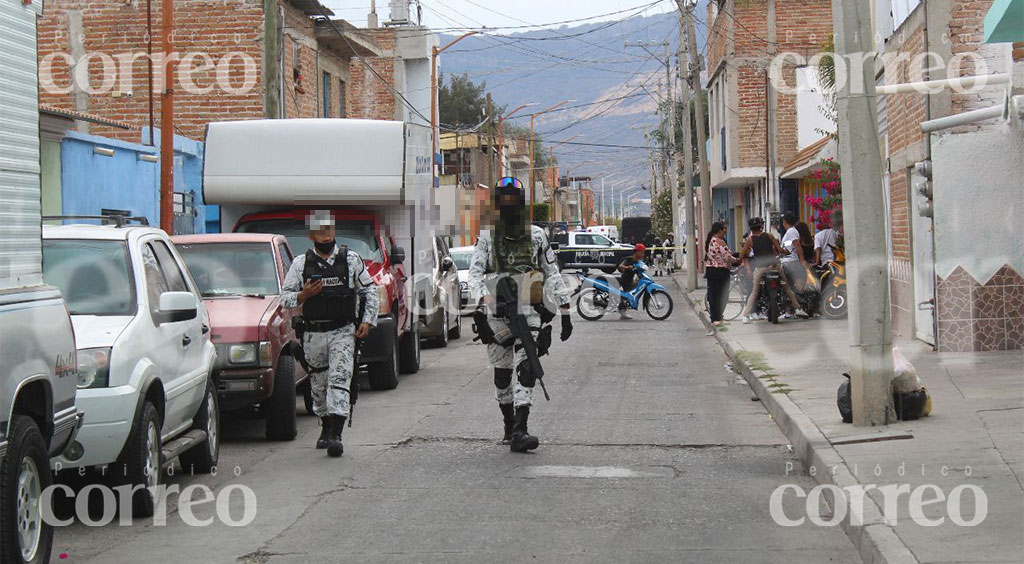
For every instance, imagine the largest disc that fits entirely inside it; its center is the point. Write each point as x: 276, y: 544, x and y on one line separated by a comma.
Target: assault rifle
x: 353, y: 384
x: 507, y: 302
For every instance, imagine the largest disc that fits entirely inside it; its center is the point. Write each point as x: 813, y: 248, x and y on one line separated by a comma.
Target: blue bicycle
x: 602, y: 296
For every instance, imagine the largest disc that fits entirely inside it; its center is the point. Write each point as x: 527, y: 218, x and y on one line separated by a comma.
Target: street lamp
x: 623, y: 199
x: 434, y: 52
x: 532, y: 163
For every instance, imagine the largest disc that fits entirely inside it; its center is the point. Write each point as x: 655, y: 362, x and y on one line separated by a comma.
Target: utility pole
x: 698, y: 102
x: 871, y: 366
x: 167, y: 121
x: 490, y: 144
x: 687, y: 158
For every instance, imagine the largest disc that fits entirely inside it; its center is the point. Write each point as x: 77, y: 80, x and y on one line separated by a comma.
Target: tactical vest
x: 515, y: 257
x: 336, y: 303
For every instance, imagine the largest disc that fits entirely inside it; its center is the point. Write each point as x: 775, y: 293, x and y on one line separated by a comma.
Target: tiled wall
x: 975, y: 316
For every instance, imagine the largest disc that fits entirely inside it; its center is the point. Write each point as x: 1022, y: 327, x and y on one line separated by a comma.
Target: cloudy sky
x: 441, y: 14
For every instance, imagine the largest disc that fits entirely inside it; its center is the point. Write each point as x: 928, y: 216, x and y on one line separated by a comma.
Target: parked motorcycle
x: 832, y: 281
x: 771, y: 298
x: 602, y: 296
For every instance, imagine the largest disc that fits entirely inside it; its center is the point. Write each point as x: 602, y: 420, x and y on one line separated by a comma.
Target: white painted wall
x: 979, y: 200
x: 809, y: 101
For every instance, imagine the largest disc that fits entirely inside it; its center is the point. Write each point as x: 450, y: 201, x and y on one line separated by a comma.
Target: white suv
x: 144, y: 354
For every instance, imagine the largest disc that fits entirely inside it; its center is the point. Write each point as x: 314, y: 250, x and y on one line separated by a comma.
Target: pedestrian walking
x: 521, y: 254
x: 717, y: 262
x: 328, y: 282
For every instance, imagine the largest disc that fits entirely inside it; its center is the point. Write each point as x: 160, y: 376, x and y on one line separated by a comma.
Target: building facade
x: 760, y: 115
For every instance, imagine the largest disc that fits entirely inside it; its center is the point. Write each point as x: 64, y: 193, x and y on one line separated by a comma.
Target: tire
x: 456, y: 332
x: 773, y: 307
x: 306, y: 390
x: 409, y: 351
x: 143, y: 460
x: 586, y: 307
x: 384, y: 375
x: 441, y: 341
x: 833, y: 303
x: 25, y: 538
x: 202, y: 458
x: 658, y: 305
x: 279, y: 409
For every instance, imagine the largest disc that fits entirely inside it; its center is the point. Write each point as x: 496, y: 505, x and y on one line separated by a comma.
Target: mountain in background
x: 587, y: 63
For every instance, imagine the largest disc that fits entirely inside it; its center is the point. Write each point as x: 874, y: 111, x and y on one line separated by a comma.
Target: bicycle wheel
x: 736, y: 300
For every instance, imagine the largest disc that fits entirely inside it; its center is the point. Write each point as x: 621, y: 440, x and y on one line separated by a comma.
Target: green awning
x: 1004, y: 22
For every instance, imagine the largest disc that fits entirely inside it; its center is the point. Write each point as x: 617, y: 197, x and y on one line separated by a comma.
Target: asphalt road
x: 651, y: 451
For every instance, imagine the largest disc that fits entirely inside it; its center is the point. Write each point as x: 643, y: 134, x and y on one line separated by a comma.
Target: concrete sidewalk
x: 974, y: 437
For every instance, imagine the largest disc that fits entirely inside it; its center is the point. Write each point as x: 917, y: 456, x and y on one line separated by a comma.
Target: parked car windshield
x: 358, y: 235
x: 93, y: 276
x: 462, y: 259
x: 232, y: 269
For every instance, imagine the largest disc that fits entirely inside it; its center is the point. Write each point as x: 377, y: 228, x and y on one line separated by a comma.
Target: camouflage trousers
x: 335, y: 350
x: 511, y: 356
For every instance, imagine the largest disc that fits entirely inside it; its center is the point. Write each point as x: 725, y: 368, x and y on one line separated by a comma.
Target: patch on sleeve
x: 549, y: 255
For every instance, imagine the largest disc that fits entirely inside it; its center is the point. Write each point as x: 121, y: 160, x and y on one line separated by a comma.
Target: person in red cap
x: 626, y: 280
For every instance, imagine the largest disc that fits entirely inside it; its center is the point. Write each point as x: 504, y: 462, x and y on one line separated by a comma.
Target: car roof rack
x: 116, y: 220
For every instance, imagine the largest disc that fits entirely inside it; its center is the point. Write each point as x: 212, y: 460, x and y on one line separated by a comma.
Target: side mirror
x: 177, y: 306
x: 447, y: 263
x: 397, y: 255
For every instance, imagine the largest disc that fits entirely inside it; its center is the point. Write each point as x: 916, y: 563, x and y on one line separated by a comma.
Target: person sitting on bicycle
x: 763, y: 250
x: 626, y: 280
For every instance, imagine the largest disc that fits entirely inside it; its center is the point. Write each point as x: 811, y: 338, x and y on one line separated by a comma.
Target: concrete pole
x: 673, y: 186
x: 687, y: 158
x: 863, y: 207
x: 702, y: 133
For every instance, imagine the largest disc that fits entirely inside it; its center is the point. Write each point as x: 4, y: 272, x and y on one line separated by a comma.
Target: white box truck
x: 376, y: 177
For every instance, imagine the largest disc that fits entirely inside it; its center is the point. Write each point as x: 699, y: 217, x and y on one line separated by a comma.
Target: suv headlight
x: 94, y: 367
x: 242, y: 354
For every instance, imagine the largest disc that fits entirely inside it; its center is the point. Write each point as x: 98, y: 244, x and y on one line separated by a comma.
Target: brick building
x: 238, y: 59
x: 757, y: 123
x: 952, y: 286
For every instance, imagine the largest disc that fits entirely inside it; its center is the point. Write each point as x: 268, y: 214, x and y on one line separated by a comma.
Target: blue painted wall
x: 91, y: 182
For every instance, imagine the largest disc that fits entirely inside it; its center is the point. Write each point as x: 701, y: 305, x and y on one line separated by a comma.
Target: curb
x: 875, y: 541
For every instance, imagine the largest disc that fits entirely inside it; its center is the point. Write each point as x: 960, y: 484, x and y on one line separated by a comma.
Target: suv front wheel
x: 202, y: 458
x: 143, y: 461
x: 25, y: 537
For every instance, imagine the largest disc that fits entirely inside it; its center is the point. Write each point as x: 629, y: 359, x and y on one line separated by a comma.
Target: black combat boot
x: 522, y: 440
x: 508, y: 413
x: 334, y: 446
x: 325, y: 430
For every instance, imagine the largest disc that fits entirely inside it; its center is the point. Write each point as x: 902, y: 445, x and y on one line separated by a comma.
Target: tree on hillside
x: 461, y: 103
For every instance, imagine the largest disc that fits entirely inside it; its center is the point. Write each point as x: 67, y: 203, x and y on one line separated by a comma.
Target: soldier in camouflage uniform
x: 514, y: 249
x: 328, y: 291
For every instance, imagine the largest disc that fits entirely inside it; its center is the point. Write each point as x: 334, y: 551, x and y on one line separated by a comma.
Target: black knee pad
x: 502, y: 378
x: 526, y: 376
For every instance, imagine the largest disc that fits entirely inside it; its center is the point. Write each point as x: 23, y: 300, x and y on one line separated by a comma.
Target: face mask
x: 324, y: 248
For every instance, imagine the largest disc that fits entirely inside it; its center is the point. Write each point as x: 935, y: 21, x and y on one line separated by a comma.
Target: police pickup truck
x: 579, y: 249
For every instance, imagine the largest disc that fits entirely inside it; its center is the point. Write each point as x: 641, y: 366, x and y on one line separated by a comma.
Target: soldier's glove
x: 482, y: 327
x: 544, y: 340
x: 566, y: 326
x: 545, y: 314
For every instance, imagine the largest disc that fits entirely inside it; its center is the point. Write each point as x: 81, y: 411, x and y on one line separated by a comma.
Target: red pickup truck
x: 240, y: 277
